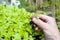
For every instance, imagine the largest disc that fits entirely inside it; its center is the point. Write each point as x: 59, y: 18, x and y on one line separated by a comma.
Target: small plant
x: 15, y: 24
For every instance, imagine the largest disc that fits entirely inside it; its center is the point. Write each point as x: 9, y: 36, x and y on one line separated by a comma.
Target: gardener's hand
x: 48, y: 25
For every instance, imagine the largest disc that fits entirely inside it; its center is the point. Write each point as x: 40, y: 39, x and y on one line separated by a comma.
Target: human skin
x: 48, y: 25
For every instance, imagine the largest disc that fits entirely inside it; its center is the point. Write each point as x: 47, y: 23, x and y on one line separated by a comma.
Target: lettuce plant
x: 15, y: 24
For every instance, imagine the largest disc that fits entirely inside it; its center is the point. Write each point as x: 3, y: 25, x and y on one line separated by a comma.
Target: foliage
x: 23, y: 3
x: 15, y: 24
x: 57, y: 14
x: 32, y: 5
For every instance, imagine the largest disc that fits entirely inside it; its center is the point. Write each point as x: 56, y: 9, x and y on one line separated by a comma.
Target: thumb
x: 38, y: 22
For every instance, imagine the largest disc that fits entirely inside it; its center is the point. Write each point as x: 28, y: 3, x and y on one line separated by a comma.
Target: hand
x: 48, y: 25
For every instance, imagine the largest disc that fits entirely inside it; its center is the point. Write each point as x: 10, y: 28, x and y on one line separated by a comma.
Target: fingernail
x: 36, y: 28
x: 33, y: 19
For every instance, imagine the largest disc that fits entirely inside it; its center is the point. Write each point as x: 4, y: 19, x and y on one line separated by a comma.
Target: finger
x: 47, y: 19
x: 38, y: 22
x: 43, y: 17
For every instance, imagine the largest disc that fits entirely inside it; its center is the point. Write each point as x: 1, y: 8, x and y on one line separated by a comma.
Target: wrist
x: 52, y: 37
